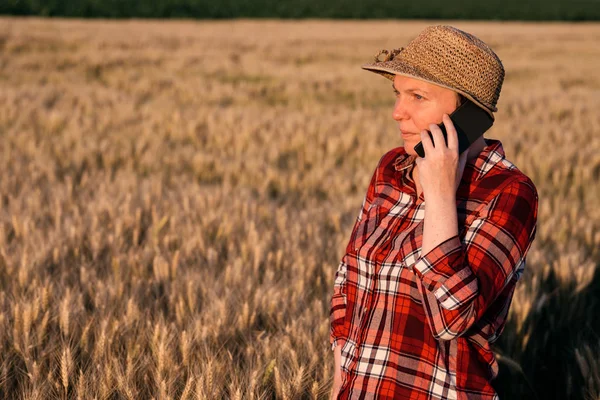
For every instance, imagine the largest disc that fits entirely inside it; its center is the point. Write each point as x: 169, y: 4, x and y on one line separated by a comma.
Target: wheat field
x: 175, y: 197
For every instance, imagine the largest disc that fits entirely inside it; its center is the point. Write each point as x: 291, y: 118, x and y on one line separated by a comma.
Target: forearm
x: 447, y: 317
x: 440, y: 222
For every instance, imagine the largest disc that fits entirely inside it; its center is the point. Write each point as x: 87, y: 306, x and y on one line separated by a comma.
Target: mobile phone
x: 470, y: 121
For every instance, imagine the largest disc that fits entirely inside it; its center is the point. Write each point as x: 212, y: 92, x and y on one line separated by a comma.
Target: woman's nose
x: 400, y: 111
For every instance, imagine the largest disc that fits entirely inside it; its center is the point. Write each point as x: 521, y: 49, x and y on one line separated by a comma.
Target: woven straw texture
x: 448, y: 57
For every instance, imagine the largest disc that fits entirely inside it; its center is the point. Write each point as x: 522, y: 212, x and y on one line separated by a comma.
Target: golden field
x: 175, y: 198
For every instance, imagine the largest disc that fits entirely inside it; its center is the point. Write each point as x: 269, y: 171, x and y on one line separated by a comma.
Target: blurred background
x: 176, y: 192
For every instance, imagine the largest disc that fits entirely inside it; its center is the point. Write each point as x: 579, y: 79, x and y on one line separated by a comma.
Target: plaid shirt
x: 419, y: 327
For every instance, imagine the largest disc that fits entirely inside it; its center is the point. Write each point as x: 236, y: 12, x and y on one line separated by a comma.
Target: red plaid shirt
x: 419, y: 327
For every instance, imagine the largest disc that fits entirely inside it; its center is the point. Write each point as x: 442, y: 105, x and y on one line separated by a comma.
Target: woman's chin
x: 409, y: 147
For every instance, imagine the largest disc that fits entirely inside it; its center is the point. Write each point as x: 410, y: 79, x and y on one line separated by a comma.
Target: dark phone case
x: 470, y: 121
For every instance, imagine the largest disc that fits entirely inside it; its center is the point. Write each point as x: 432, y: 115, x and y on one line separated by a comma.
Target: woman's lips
x: 408, y: 134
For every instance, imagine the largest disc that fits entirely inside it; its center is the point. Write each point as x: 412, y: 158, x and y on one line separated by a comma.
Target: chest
x: 391, y: 231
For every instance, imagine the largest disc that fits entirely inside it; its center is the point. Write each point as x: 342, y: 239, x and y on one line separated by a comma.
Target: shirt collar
x: 404, y: 160
x: 490, y: 155
x: 476, y: 168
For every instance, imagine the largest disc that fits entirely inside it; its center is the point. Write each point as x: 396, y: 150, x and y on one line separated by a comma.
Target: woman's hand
x: 440, y: 173
x: 337, y: 372
x: 441, y: 170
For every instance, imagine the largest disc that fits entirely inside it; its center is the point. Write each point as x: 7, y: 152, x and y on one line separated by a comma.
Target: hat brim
x: 388, y: 70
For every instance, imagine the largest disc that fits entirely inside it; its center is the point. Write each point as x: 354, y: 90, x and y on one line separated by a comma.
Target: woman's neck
x: 476, y: 147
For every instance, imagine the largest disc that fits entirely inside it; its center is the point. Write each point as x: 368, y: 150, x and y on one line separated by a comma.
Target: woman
x: 434, y: 256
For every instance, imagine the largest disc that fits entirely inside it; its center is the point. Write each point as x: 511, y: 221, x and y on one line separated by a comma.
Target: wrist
x: 442, y: 200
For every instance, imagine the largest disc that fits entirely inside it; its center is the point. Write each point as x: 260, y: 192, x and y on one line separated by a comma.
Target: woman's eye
x: 417, y: 96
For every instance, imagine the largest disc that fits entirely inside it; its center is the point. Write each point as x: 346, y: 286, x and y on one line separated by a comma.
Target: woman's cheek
x: 421, y: 121
x: 424, y: 116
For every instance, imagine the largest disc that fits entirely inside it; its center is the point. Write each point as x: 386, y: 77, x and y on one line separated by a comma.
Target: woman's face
x: 418, y: 104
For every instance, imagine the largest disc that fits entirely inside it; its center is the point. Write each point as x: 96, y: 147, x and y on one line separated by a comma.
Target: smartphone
x: 470, y: 121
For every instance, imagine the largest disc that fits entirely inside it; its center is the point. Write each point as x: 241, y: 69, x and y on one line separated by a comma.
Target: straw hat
x: 448, y: 57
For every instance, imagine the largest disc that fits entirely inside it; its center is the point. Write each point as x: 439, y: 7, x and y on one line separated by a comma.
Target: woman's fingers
x: 334, y: 393
x: 438, y: 136
x: 426, y: 141
x: 450, y: 132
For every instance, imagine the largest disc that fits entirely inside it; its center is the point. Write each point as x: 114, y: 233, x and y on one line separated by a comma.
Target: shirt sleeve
x: 460, y: 280
x: 339, y: 327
